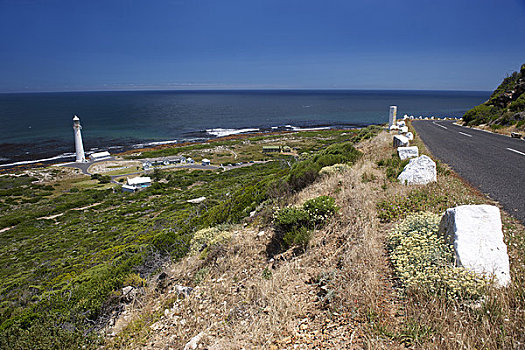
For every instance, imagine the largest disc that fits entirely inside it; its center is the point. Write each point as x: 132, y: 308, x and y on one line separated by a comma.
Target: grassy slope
x: 60, y: 273
x: 341, y: 292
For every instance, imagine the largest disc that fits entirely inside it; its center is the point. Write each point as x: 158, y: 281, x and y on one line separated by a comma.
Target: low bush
x: 425, y: 199
x: 206, y: 238
x: 481, y: 114
x: 294, y: 225
x: 305, y: 172
x: 424, y: 261
x: 394, y: 166
x: 319, y: 209
x: 102, y: 179
x: 290, y: 218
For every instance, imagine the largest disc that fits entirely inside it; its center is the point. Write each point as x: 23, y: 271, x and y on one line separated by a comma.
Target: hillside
x: 337, y: 290
x: 505, y: 107
x: 291, y: 253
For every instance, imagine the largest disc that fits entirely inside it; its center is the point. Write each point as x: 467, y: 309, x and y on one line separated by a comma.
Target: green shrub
x: 290, y: 218
x: 426, y: 199
x: 297, y: 237
x: 305, y: 172
x: 102, y: 179
x: 481, y: 114
x: 294, y: 225
x: 319, y: 209
x: 519, y: 104
x: 206, y: 238
x: 425, y: 261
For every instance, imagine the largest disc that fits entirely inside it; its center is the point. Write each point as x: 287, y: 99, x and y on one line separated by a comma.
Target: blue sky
x: 53, y: 45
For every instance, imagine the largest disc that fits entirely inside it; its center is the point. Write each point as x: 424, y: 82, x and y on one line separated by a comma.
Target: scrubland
x: 340, y: 290
x: 290, y: 254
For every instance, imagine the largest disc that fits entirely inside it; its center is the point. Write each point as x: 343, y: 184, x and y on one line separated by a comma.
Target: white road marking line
x: 462, y: 133
x: 518, y: 152
x: 444, y: 127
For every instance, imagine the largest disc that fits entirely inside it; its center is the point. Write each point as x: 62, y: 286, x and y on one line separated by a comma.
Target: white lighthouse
x: 392, y: 116
x: 79, y: 148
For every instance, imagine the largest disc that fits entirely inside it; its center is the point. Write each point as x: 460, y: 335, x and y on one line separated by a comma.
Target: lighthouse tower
x: 79, y: 148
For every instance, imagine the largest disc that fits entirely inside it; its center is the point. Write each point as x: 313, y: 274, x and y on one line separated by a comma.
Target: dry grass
x: 339, y: 294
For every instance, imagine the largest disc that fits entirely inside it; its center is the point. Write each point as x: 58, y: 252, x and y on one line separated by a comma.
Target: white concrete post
x: 392, y: 116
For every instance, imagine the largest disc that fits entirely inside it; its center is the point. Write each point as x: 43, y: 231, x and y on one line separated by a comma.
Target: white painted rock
x: 475, y: 231
x: 194, y: 342
x: 409, y: 136
x: 408, y: 152
x: 196, y: 200
x: 400, y: 141
x: 394, y: 127
x: 419, y: 171
x: 401, y: 123
x: 403, y: 129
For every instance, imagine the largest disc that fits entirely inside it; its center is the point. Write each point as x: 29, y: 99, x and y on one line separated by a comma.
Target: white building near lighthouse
x: 79, y: 147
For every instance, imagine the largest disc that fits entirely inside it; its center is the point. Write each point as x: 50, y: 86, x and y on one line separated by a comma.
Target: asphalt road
x: 495, y: 164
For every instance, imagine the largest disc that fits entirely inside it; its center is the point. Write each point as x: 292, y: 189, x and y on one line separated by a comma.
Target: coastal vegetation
x: 505, y: 107
x: 338, y: 256
x: 357, y: 279
x: 65, y: 258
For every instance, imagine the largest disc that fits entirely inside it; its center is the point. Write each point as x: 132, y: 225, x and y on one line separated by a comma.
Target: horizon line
x: 233, y: 89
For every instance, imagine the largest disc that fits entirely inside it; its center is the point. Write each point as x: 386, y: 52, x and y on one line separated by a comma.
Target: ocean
x: 37, y: 127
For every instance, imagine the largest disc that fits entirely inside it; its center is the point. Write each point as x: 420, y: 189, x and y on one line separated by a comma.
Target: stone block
x: 403, y: 129
x: 409, y: 136
x: 408, y: 152
x: 400, y: 141
x: 476, y: 234
x: 419, y: 171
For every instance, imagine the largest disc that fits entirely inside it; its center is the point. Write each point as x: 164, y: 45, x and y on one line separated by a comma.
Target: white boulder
x: 408, y: 152
x: 400, y: 141
x: 419, y: 171
x: 394, y: 127
x: 196, y: 200
x: 475, y: 231
x: 401, y: 123
x: 403, y: 129
x: 409, y: 136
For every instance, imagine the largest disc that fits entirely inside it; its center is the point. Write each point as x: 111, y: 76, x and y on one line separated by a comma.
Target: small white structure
x: 139, y: 182
x: 79, y: 147
x: 409, y: 136
x: 196, y: 200
x: 99, y: 156
x: 401, y: 123
x: 392, y: 116
x: 400, y: 141
x: 128, y: 188
x: 475, y: 231
x: 205, y: 162
x: 408, y: 152
x: 419, y: 171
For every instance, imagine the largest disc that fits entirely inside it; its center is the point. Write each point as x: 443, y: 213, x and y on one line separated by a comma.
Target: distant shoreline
x: 14, y: 168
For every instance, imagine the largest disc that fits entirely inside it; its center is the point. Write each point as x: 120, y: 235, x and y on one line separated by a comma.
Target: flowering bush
x: 206, y: 238
x: 334, y: 169
x: 424, y: 260
x: 319, y: 209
